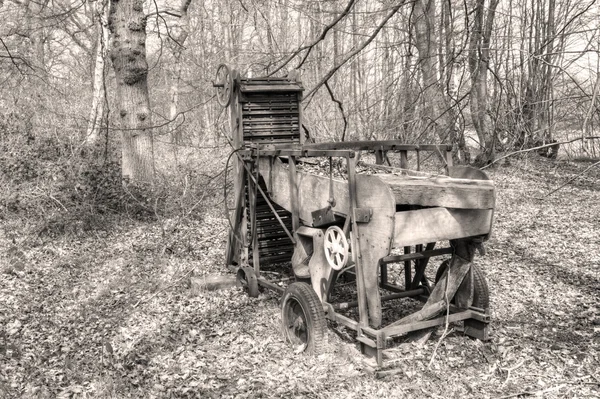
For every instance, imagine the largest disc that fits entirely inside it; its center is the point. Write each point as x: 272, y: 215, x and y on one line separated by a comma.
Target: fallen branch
x: 568, y: 181
x: 539, y: 148
x: 532, y: 393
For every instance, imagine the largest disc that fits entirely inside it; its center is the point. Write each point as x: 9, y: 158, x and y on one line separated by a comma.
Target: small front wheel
x: 303, y: 319
x: 481, y: 292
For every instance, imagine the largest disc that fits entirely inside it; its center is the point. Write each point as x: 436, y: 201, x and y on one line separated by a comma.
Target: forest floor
x: 110, y: 314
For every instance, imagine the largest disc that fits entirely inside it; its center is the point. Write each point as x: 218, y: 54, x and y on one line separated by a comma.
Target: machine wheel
x: 336, y: 248
x: 481, y: 293
x: 303, y: 319
x: 224, y: 85
x: 247, y: 279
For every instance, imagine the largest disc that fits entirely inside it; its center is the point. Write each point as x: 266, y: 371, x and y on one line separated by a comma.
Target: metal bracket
x: 324, y: 216
x: 363, y: 215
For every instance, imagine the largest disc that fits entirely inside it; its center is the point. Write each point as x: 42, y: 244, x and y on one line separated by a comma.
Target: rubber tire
x: 246, y: 278
x: 481, y: 292
x: 311, y: 307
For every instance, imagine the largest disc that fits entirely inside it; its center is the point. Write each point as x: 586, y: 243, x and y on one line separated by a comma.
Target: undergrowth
x: 62, y: 187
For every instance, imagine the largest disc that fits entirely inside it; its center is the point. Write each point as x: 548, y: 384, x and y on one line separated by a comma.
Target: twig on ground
x: 446, y: 332
x: 164, y: 289
x: 533, y: 393
x: 510, y: 369
x: 538, y: 148
x: 568, y: 181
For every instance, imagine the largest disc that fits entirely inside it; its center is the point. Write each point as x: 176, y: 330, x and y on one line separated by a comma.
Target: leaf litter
x: 110, y: 314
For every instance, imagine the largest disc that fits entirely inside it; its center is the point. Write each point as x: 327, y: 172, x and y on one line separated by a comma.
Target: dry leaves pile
x: 110, y: 315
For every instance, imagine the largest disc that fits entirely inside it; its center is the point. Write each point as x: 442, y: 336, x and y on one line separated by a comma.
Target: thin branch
x: 13, y: 58
x: 321, y: 37
x: 341, y: 107
x: 348, y: 57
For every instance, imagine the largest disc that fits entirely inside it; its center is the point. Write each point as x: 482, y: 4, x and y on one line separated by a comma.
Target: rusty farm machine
x: 301, y: 232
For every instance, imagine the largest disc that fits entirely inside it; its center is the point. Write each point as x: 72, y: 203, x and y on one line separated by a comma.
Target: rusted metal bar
x: 407, y: 269
x: 421, y: 265
x: 404, y: 294
x: 252, y: 206
x: 417, y: 255
x: 378, y: 145
x: 267, y: 284
x: 280, y: 152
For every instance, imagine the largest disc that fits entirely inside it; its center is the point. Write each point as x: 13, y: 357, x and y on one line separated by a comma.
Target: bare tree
x: 97, y: 110
x: 127, y: 24
x: 479, y: 59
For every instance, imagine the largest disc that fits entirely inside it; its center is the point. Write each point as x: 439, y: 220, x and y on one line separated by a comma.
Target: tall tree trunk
x: 97, y: 111
x: 127, y: 24
x: 437, y: 110
x: 180, y: 35
x: 479, y: 59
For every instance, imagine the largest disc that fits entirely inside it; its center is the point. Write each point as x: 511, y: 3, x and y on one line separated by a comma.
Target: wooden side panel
x: 438, y: 224
x: 375, y: 237
x: 446, y: 192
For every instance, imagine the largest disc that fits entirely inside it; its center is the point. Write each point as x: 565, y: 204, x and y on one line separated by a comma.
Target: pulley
x: 336, y: 248
x: 224, y: 84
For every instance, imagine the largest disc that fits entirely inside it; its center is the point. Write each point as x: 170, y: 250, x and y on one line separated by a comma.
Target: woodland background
x: 112, y: 169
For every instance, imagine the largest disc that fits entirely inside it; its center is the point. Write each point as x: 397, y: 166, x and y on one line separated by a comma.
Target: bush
x: 74, y: 189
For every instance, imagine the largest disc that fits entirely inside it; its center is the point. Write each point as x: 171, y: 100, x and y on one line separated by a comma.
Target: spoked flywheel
x: 336, y: 248
x: 303, y: 319
x: 224, y: 85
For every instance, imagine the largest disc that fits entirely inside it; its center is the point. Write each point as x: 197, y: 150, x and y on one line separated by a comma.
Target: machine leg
x: 384, y: 274
x: 477, y: 329
x: 407, y: 270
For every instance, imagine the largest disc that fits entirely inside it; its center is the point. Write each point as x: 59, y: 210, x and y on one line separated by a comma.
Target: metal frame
x: 372, y: 341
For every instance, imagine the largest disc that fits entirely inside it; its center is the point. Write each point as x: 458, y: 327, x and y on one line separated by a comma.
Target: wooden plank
x: 313, y: 194
x: 396, y: 330
x: 288, y: 88
x: 270, y: 112
x: 446, y: 192
x: 438, y: 224
x: 271, y: 134
x: 275, y: 128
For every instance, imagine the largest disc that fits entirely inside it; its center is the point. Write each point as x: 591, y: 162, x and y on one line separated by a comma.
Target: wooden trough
x: 324, y: 227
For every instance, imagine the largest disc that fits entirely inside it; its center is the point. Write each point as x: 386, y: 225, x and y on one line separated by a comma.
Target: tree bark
x: 180, y: 35
x: 127, y: 24
x: 479, y: 58
x: 437, y: 110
